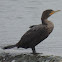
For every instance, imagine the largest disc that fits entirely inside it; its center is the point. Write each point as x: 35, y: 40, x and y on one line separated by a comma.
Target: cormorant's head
x: 48, y: 13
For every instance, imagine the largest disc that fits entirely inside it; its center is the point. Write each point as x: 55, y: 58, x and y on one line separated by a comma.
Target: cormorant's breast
x: 49, y: 27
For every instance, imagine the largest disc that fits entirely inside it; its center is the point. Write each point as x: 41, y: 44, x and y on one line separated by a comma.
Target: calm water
x: 17, y: 15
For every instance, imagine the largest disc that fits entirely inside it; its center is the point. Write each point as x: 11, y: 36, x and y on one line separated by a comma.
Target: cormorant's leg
x: 33, y: 49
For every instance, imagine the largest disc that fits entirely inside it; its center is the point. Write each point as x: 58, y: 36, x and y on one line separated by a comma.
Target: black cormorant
x: 36, y: 33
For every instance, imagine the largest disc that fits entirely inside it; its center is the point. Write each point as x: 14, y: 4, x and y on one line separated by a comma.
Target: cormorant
x: 36, y: 33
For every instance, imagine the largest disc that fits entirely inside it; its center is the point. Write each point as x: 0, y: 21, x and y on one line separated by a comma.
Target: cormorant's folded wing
x: 32, y: 35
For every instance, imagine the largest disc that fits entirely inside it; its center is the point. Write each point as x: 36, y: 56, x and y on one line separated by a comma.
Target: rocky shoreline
x: 6, y: 57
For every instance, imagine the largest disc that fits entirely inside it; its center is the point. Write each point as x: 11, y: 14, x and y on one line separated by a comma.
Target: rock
x: 29, y: 58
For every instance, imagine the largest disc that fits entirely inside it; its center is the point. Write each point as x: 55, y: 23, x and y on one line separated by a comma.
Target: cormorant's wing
x: 33, y: 35
x: 34, y: 31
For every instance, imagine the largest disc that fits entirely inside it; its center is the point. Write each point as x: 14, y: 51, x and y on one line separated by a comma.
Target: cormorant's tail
x: 9, y: 47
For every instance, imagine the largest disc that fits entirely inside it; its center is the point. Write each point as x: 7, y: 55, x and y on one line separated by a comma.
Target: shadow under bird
x: 36, y: 33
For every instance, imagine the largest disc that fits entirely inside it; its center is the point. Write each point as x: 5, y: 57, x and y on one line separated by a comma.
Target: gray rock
x: 29, y: 58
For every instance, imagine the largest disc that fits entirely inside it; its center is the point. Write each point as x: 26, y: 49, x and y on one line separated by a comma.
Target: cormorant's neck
x: 44, y: 21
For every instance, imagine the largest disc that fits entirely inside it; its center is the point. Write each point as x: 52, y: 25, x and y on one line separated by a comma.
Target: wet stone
x: 29, y: 58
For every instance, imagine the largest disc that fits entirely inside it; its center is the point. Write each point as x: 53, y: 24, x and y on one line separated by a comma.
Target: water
x: 17, y: 15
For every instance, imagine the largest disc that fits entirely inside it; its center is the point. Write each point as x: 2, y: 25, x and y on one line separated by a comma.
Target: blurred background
x: 17, y: 15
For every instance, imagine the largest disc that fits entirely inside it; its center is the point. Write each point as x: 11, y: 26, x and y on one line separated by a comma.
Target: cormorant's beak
x: 57, y: 11
x: 52, y: 12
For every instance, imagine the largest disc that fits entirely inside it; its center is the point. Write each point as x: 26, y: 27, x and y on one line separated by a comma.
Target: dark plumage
x: 36, y: 33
